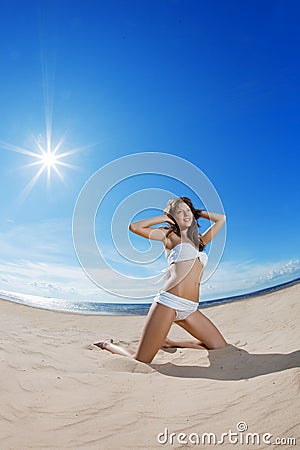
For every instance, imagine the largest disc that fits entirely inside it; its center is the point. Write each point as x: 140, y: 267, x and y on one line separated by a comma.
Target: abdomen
x: 185, y: 279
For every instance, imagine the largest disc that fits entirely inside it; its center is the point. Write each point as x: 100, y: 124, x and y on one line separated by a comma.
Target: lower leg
x: 195, y: 343
x: 202, y: 328
x: 113, y: 348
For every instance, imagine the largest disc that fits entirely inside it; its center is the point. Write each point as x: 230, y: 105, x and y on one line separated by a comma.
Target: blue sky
x: 215, y: 83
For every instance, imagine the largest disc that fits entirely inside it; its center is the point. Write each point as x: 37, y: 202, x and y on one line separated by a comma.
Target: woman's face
x: 183, y: 215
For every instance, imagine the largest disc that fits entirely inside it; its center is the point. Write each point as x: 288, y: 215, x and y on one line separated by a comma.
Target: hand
x: 169, y: 220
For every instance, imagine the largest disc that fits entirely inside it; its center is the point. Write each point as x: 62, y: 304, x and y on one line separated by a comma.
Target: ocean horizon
x: 96, y: 308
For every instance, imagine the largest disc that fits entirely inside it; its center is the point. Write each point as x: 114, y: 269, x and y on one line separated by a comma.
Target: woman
x: 178, y: 300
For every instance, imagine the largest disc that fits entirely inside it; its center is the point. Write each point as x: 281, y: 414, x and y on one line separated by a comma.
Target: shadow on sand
x: 233, y: 363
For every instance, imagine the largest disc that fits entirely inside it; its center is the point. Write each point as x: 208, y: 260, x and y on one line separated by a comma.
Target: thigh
x: 157, y: 326
x: 203, y: 329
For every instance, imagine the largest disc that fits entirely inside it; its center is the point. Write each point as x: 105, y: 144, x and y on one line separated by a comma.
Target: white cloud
x: 233, y: 278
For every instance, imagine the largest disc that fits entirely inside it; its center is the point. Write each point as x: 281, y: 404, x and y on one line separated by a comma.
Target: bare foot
x: 102, y: 344
x: 168, y: 344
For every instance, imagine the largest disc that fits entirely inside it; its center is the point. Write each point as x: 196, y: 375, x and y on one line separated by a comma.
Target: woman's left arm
x: 211, y: 232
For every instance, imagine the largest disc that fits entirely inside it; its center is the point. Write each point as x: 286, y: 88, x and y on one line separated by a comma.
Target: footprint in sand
x: 238, y: 343
x: 90, y: 347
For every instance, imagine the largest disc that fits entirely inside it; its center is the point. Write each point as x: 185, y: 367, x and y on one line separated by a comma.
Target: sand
x: 59, y: 391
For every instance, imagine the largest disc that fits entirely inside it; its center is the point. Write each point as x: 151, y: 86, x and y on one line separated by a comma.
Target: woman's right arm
x: 143, y: 228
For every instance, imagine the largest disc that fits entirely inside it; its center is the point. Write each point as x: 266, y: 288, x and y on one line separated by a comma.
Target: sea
x: 132, y: 309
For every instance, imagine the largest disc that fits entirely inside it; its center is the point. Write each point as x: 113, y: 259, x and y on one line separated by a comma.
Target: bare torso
x: 185, y: 276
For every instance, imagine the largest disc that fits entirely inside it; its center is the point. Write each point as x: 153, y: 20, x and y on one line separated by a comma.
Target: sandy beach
x: 59, y: 391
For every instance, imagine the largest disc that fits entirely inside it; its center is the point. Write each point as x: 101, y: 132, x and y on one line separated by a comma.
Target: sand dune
x: 59, y: 391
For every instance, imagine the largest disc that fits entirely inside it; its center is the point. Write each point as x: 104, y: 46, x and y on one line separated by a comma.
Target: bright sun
x: 49, y: 159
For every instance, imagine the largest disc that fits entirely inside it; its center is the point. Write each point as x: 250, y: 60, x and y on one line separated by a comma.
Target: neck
x: 184, y: 232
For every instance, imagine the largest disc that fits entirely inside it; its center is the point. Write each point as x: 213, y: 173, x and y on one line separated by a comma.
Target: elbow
x: 136, y: 229
x: 132, y: 227
x: 221, y: 218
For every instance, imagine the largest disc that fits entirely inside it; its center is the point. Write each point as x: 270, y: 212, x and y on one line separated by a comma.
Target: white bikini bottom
x: 183, y: 307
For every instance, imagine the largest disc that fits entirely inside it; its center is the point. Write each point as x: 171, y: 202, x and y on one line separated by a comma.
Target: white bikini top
x: 182, y: 252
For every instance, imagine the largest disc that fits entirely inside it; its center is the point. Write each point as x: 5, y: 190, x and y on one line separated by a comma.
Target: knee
x: 142, y: 359
x: 218, y: 345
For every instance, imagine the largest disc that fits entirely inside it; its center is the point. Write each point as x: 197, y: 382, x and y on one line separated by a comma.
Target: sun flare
x: 49, y: 159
